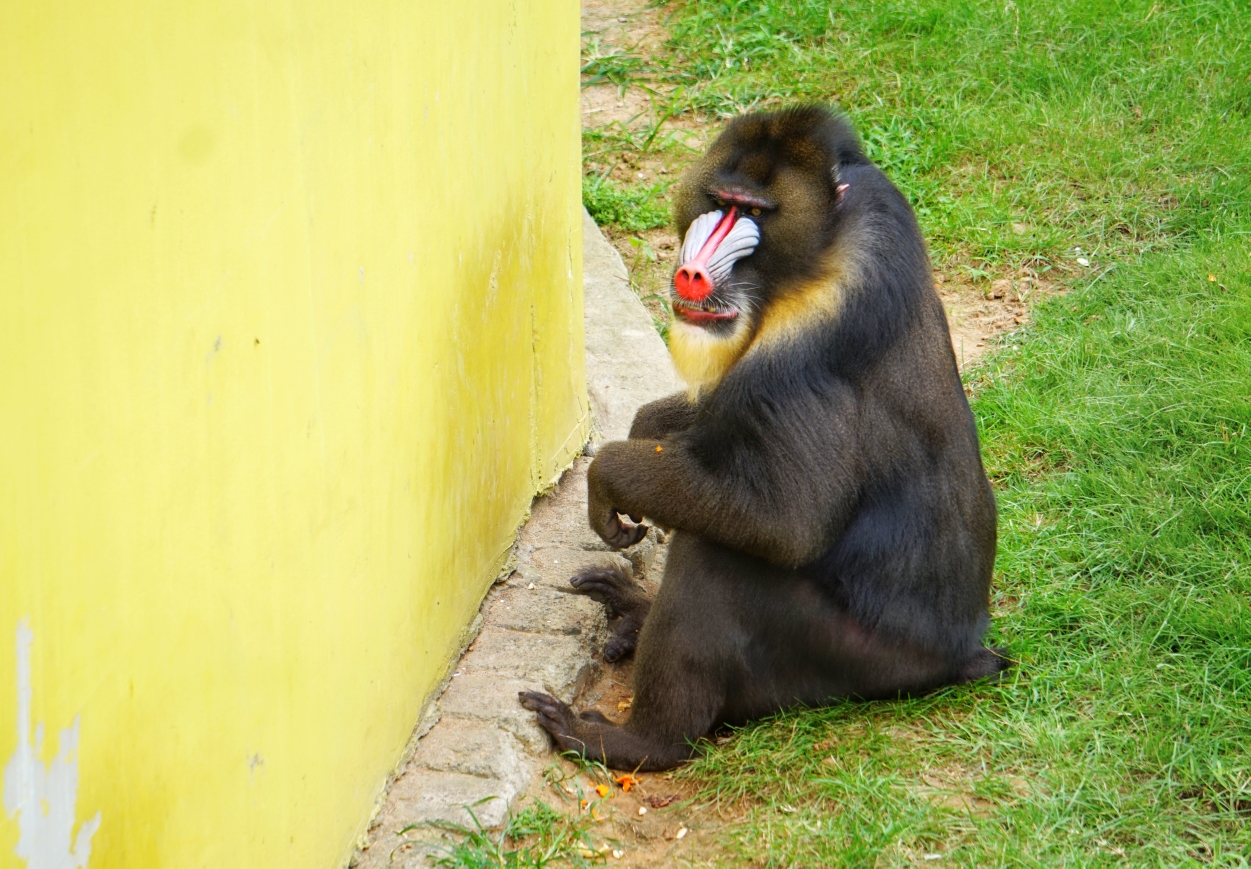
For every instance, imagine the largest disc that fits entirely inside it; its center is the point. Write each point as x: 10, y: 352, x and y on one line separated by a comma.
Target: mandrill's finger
x: 632, y: 534
x: 612, y: 527
x: 627, y: 535
x: 618, y: 534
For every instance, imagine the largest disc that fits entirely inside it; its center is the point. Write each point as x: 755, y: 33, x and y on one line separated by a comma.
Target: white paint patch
x: 44, y: 798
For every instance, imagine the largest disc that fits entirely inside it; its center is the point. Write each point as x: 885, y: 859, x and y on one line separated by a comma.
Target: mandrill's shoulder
x: 887, y: 289
x: 875, y: 291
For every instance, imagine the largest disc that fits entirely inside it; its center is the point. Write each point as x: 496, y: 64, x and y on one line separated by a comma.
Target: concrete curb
x: 485, y: 750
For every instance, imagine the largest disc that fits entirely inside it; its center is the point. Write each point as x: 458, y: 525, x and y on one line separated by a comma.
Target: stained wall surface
x: 291, y: 334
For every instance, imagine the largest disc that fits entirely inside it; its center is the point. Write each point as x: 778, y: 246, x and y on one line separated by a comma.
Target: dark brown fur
x: 835, y: 530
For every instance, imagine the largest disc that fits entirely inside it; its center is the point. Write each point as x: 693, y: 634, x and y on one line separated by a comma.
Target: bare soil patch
x: 640, y: 820
x: 657, y: 822
x: 618, y: 26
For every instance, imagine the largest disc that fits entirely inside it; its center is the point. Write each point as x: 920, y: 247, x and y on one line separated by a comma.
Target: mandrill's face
x: 713, y: 300
x: 756, y: 214
x: 705, y: 293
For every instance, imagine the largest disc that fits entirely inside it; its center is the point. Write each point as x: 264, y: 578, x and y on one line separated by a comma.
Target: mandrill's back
x: 873, y: 374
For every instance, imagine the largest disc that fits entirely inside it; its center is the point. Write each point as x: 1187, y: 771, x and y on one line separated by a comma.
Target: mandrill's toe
x: 620, y: 647
x: 611, y: 585
x: 555, y: 717
x: 546, y: 705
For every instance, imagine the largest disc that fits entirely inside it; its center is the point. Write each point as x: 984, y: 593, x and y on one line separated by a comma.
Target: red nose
x: 693, y: 282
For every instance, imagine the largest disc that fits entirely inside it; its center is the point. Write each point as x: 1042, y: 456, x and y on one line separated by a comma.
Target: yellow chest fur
x: 703, y: 358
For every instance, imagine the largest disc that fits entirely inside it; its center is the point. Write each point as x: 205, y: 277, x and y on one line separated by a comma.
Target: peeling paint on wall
x: 44, y: 797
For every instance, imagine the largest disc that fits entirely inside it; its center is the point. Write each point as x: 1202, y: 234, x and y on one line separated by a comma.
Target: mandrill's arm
x: 775, y: 485
x: 671, y: 414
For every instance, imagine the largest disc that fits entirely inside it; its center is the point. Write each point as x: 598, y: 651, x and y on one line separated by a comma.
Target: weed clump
x: 632, y: 209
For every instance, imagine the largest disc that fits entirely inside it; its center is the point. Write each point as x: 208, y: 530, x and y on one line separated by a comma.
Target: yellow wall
x: 290, y: 334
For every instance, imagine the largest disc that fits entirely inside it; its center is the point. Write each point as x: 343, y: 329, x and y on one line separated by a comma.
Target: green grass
x: 1119, y: 127
x: 537, y: 836
x: 633, y: 209
x: 1117, y: 427
x: 1118, y: 433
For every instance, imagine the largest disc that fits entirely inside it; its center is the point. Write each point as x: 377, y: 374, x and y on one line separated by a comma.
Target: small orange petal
x: 602, y: 790
x: 626, y: 781
x: 660, y: 449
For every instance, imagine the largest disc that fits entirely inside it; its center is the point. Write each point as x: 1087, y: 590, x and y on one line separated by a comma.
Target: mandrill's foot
x: 557, y: 718
x: 986, y: 664
x: 596, y: 738
x: 623, y: 599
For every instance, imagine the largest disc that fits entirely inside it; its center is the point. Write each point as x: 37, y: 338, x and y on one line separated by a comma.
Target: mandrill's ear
x: 839, y: 187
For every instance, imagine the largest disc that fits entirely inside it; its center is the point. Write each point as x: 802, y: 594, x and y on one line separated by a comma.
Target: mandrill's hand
x: 604, y: 518
x: 606, y: 522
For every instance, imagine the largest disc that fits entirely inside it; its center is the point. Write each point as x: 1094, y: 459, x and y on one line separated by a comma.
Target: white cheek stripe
x: 697, y: 233
x: 742, y: 239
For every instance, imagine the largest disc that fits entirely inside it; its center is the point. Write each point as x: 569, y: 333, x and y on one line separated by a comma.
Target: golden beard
x: 703, y: 357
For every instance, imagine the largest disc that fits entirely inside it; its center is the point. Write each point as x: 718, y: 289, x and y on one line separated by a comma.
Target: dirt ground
x: 656, y: 821
x: 978, y: 310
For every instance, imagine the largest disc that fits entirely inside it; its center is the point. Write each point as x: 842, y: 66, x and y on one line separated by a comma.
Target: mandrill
x: 834, y: 530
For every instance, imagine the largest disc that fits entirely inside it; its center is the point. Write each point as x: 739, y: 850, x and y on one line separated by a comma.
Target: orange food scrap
x: 602, y: 790
x: 626, y: 781
x: 660, y: 449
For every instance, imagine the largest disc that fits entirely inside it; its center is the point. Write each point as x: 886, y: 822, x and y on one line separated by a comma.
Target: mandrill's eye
x: 755, y: 212
x: 721, y: 202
